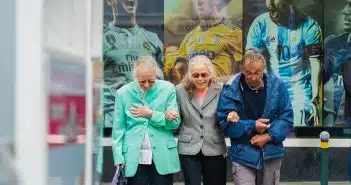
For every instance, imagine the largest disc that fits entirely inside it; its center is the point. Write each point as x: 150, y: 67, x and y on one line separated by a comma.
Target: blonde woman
x: 201, y: 144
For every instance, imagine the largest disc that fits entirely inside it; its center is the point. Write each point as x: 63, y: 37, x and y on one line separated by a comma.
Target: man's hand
x: 171, y: 115
x: 262, y: 125
x: 314, y: 115
x: 233, y: 117
x: 260, y: 140
x: 315, y: 81
x: 141, y: 111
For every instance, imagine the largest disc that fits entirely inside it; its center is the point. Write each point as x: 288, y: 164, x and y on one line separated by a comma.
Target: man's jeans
x: 269, y: 174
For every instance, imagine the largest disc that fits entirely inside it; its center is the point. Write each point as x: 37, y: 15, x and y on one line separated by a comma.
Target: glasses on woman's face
x: 146, y: 81
x: 197, y: 75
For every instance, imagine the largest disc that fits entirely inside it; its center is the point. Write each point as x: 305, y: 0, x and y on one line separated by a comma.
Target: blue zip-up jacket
x: 277, y: 108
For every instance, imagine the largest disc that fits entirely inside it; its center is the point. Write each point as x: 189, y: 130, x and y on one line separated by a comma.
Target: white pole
x: 30, y: 94
x: 89, y: 95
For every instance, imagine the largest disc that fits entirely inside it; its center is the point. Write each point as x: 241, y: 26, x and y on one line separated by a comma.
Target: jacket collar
x: 212, y: 92
x: 234, y: 83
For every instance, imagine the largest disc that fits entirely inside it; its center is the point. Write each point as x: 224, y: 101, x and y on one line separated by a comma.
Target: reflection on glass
x: 337, y: 65
x: 122, y: 46
x: 211, y: 34
x: 292, y: 42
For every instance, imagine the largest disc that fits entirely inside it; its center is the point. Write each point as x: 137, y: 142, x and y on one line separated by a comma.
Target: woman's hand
x: 141, y: 111
x: 233, y: 117
x: 171, y: 115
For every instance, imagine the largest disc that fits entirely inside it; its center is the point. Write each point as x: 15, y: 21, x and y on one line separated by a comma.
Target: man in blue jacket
x: 254, y: 110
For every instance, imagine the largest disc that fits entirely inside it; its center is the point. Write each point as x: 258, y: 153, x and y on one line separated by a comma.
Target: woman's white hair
x: 188, y: 80
x: 201, y: 59
x: 148, y: 62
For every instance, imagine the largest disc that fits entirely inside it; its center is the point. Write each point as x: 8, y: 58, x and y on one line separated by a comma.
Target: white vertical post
x: 30, y: 94
x: 89, y: 95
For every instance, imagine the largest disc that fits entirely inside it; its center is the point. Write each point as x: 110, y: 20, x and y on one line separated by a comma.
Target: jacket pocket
x: 218, y: 139
x: 184, y: 138
x: 171, y: 144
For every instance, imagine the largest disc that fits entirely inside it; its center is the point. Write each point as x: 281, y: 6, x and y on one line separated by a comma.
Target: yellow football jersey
x: 222, y: 43
x: 171, y: 54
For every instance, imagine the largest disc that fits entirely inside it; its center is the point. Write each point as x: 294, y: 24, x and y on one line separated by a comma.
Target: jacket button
x: 154, y: 147
x: 201, y: 137
x: 201, y: 126
x: 201, y: 116
x: 151, y: 135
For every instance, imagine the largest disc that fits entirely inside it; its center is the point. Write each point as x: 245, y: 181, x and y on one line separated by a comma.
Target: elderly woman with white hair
x: 146, y: 113
x: 201, y: 144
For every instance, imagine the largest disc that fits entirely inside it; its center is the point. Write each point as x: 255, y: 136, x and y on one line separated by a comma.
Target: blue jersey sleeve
x: 313, y: 33
x: 254, y: 37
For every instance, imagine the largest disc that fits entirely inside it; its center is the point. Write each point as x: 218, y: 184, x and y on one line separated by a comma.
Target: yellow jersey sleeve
x: 235, y: 47
x: 171, y: 55
x: 183, y: 51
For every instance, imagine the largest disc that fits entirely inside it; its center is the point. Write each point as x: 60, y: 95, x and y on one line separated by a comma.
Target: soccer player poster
x: 337, y: 63
x: 292, y: 41
x: 203, y: 27
x: 124, y: 40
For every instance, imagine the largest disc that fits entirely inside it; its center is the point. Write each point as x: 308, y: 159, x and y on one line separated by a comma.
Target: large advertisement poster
x: 289, y: 33
x: 131, y: 29
x: 337, y: 63
x: 298, y: 38
x: 211, y: 28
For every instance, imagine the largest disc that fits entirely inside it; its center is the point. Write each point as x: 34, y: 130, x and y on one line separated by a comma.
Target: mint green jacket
x: 128, y: 131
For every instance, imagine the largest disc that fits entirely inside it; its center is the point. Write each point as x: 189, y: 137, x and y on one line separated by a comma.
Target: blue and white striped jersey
x: 288, y: 50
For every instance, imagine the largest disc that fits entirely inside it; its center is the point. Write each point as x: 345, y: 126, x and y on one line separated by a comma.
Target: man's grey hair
x: 147, y: 62
x: 253, y: 55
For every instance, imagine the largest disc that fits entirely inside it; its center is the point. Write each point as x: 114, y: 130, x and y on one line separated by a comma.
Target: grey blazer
x: 199, y: 129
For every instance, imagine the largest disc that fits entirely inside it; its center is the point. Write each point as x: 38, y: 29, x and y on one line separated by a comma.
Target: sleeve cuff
x: 271, y: 138
x: 251, y: 126
x: 118, y: 158
x: 119, y: 162
x: 157, y: 116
